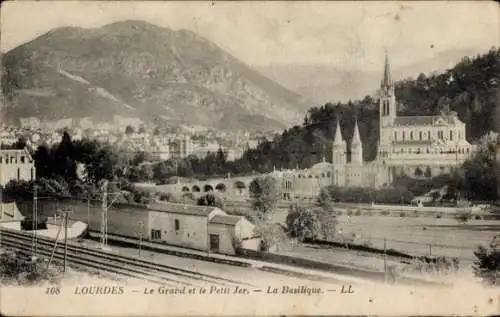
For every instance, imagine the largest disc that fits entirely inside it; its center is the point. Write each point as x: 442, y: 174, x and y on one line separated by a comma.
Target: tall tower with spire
x: 339, y: 147
x: 387, y: 96
x: 339, y: 158
x: 356, y: 146
x: 387, y: 110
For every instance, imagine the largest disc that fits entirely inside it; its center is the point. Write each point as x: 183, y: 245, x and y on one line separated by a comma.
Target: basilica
x: 416, y: 146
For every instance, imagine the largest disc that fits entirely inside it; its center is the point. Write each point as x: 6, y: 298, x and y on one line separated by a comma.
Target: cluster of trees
x: 316, y: 223
x: 487, y: 263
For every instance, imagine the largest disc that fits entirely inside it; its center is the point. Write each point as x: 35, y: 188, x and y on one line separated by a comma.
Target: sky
x: 346, y: 34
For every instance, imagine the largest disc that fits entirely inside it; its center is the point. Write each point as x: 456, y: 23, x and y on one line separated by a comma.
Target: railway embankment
x: 270, y: 262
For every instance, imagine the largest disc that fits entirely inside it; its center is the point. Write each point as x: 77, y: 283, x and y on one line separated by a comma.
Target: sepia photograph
x: 249, y: 158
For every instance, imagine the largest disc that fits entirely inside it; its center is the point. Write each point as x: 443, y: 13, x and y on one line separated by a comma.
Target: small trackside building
x: 181, y: 225
x: 223, y: 230
x: 199, y: 227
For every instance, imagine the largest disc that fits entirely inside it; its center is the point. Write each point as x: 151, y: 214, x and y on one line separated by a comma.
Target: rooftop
x: 193, y: 210
x: 425, y: 120
x: 226, y: 219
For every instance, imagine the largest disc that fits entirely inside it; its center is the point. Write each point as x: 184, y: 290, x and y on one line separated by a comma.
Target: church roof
x: 322, y: 165
x: 424, y: 120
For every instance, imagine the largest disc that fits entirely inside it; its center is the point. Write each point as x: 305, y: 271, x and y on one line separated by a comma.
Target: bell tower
x: 387, y: 110
x: 387, y: 96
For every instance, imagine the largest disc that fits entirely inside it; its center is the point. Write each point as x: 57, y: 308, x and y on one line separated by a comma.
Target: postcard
x: 213, y: 158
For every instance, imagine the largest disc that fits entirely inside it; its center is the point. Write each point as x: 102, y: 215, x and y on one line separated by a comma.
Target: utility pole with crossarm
x: 104, y: 214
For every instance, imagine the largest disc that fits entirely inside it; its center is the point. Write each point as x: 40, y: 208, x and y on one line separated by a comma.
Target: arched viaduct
x: 232, y: 187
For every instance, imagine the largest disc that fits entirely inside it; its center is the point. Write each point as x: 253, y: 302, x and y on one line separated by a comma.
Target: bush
x: 393, y: 196
x: 209, y: 200
x: 271, y: 235
x: 358, y: 212
x: 487, y: 263
x: 303, y: 223
x: 397, y: 195
x: 436, y: 266
x: 16, y: 268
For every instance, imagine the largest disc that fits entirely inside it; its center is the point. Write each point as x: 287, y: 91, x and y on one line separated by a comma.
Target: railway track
x: 84, y: 257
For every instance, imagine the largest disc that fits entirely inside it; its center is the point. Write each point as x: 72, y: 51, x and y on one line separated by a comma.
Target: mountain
x: 136, y: 69
x: 324, y: 83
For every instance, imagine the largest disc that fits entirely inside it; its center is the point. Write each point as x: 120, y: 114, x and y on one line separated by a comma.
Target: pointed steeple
x: 356, y: 138
x: 387, y: 81
x: 338, y: 136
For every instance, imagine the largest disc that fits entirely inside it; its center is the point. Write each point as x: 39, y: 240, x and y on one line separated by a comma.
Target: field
x: 417, y: 235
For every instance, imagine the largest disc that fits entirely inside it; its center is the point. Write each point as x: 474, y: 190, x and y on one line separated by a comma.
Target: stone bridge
x: 231, y: 186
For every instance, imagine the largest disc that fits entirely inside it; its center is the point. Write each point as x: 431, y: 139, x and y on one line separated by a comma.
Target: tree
x: 146, y: 172
x: 418, y: 172
x: 64, y: 162
x: 129, y: 130
x: 264, y: 194
x: 487, y: 263
x: 271, y: 234
x: 303, y: 223
x: 142, y: 129
x: 20, y: 143
x: 163, y: 170
x: 240, y: 185
x: 428, y: 172
x: 43, y: 162
x: 478, y: 179
x: 210, y: 200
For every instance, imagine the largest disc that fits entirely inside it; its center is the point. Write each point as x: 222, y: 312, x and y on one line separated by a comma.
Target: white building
x: 16, y: 165
x: 417, y: 145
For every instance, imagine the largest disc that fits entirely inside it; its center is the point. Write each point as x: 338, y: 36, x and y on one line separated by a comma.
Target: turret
x: 356, y: 146
x: 339, y: 147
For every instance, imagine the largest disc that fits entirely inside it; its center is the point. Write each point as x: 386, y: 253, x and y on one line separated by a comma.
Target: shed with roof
x: 181, y: 224
x: 226, y: 231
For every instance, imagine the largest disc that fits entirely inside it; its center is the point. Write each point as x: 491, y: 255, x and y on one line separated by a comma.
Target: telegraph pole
x: 88, y: 212
x: 34, y: 222
x: 140, y: 237
x: 104, y: 215
x: 1, y: 213
x: 385, y: 260
x: 65, y: 238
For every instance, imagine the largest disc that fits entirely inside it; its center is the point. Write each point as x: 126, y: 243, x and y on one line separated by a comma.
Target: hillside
x: 136, y: 69
x: 324, y: 83
x: 471, y: 88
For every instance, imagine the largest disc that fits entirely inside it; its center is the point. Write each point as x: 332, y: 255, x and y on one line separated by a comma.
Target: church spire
x: 356, y: 138
x: 387, y: 81
x: 338, y: 135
